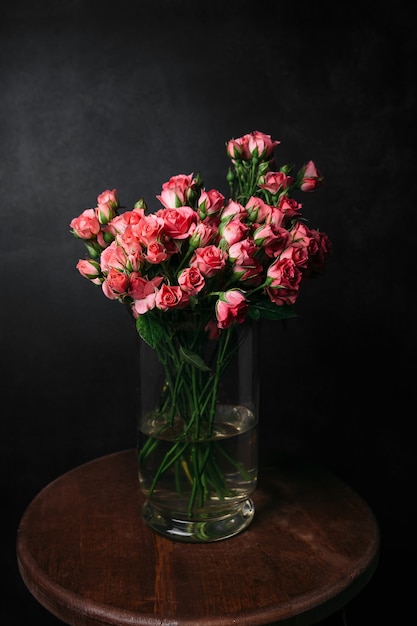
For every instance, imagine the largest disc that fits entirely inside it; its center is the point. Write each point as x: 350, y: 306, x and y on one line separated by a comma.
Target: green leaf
x: 254, y: 313
x: 149, y: 329
x: 187, y: 356
x: 271, y: 311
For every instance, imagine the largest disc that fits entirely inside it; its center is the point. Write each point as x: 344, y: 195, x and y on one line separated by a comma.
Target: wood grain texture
x: 86, y: 555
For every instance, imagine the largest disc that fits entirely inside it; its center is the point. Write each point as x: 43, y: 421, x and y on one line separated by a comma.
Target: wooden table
x: 86, y: 555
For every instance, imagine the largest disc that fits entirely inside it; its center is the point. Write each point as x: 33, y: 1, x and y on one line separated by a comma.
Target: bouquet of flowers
x: 195, y: 269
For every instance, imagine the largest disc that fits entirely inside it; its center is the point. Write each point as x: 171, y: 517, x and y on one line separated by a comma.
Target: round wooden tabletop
x: 86, y: 555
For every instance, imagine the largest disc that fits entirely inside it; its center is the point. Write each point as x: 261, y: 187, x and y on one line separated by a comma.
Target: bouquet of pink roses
x: 197, y: 267
x: 247, y: 255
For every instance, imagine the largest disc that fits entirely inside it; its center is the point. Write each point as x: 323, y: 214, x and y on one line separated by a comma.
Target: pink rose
x: 115, y: 284
x: 179, y: 223
x: 231, y: 307
x: 275, y: 182
x: 210, y: 202
x: 86, y: 225
x: 129, y: 240
x: 210, y: 260
x: 134, y: 261
x: 233, y: 209
x: 311, y: 177
x: 282, y: 296
x: 242, y: 252
x: 169, y: 297
x: 288, y: 206
x: 258, y: 210
x: 155, y: 253
x: 108, y: 198
x: 113, y: 257
x: 283, y: 280
x: 89, y: 269
x: 276, y: 218
x: 234, y: 230
x: 107, y: 203
x: 119, y: 223
x: 298, y: 253
x: 283, y: 273
x: 191, y: 280
x: 255, y: 144
x: 177, y: 191
x: 301, y: 233
x: 143, y: 291
x: 104, y: 213
x: 273, y: 239
x: 203, y: 234
x: 149, y: 228
x: 237, y: 149
x: 261, y: 145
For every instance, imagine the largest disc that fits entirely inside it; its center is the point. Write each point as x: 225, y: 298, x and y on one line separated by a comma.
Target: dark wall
x: 127, y: 95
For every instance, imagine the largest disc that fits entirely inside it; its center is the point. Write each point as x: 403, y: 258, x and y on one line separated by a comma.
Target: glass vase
x: 198, y: 429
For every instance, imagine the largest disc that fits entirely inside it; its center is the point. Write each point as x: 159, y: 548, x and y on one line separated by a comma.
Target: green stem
x: 167, y: 463
x: 239, y: 466
x: 191, y: 394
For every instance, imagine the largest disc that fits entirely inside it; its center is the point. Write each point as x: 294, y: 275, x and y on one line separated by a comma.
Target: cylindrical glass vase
x: 198, y: 430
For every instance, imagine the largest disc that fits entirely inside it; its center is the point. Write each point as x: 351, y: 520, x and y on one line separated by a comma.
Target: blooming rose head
x: 156, y: 253
x: 149, y: 228
x: 274, y: 182
x: 178, y: 223
x: 289, y: 207
x: 283, y: 281
x: 273, y: 239
x: 115, y: 284
x: 191, y: 280
x: 129, y: 241
x: 143, y: 292
x: 298, y: 253
x: 86, y: 225
x: 119, y: 223
x: 169, y: 297
x: 231, y: 307
x: 210, y: 260
x: 113, y: 257
x: 109, y: 197
x: 178, y: 191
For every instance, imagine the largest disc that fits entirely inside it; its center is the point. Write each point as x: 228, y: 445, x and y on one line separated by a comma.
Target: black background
x: 129, y: 94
